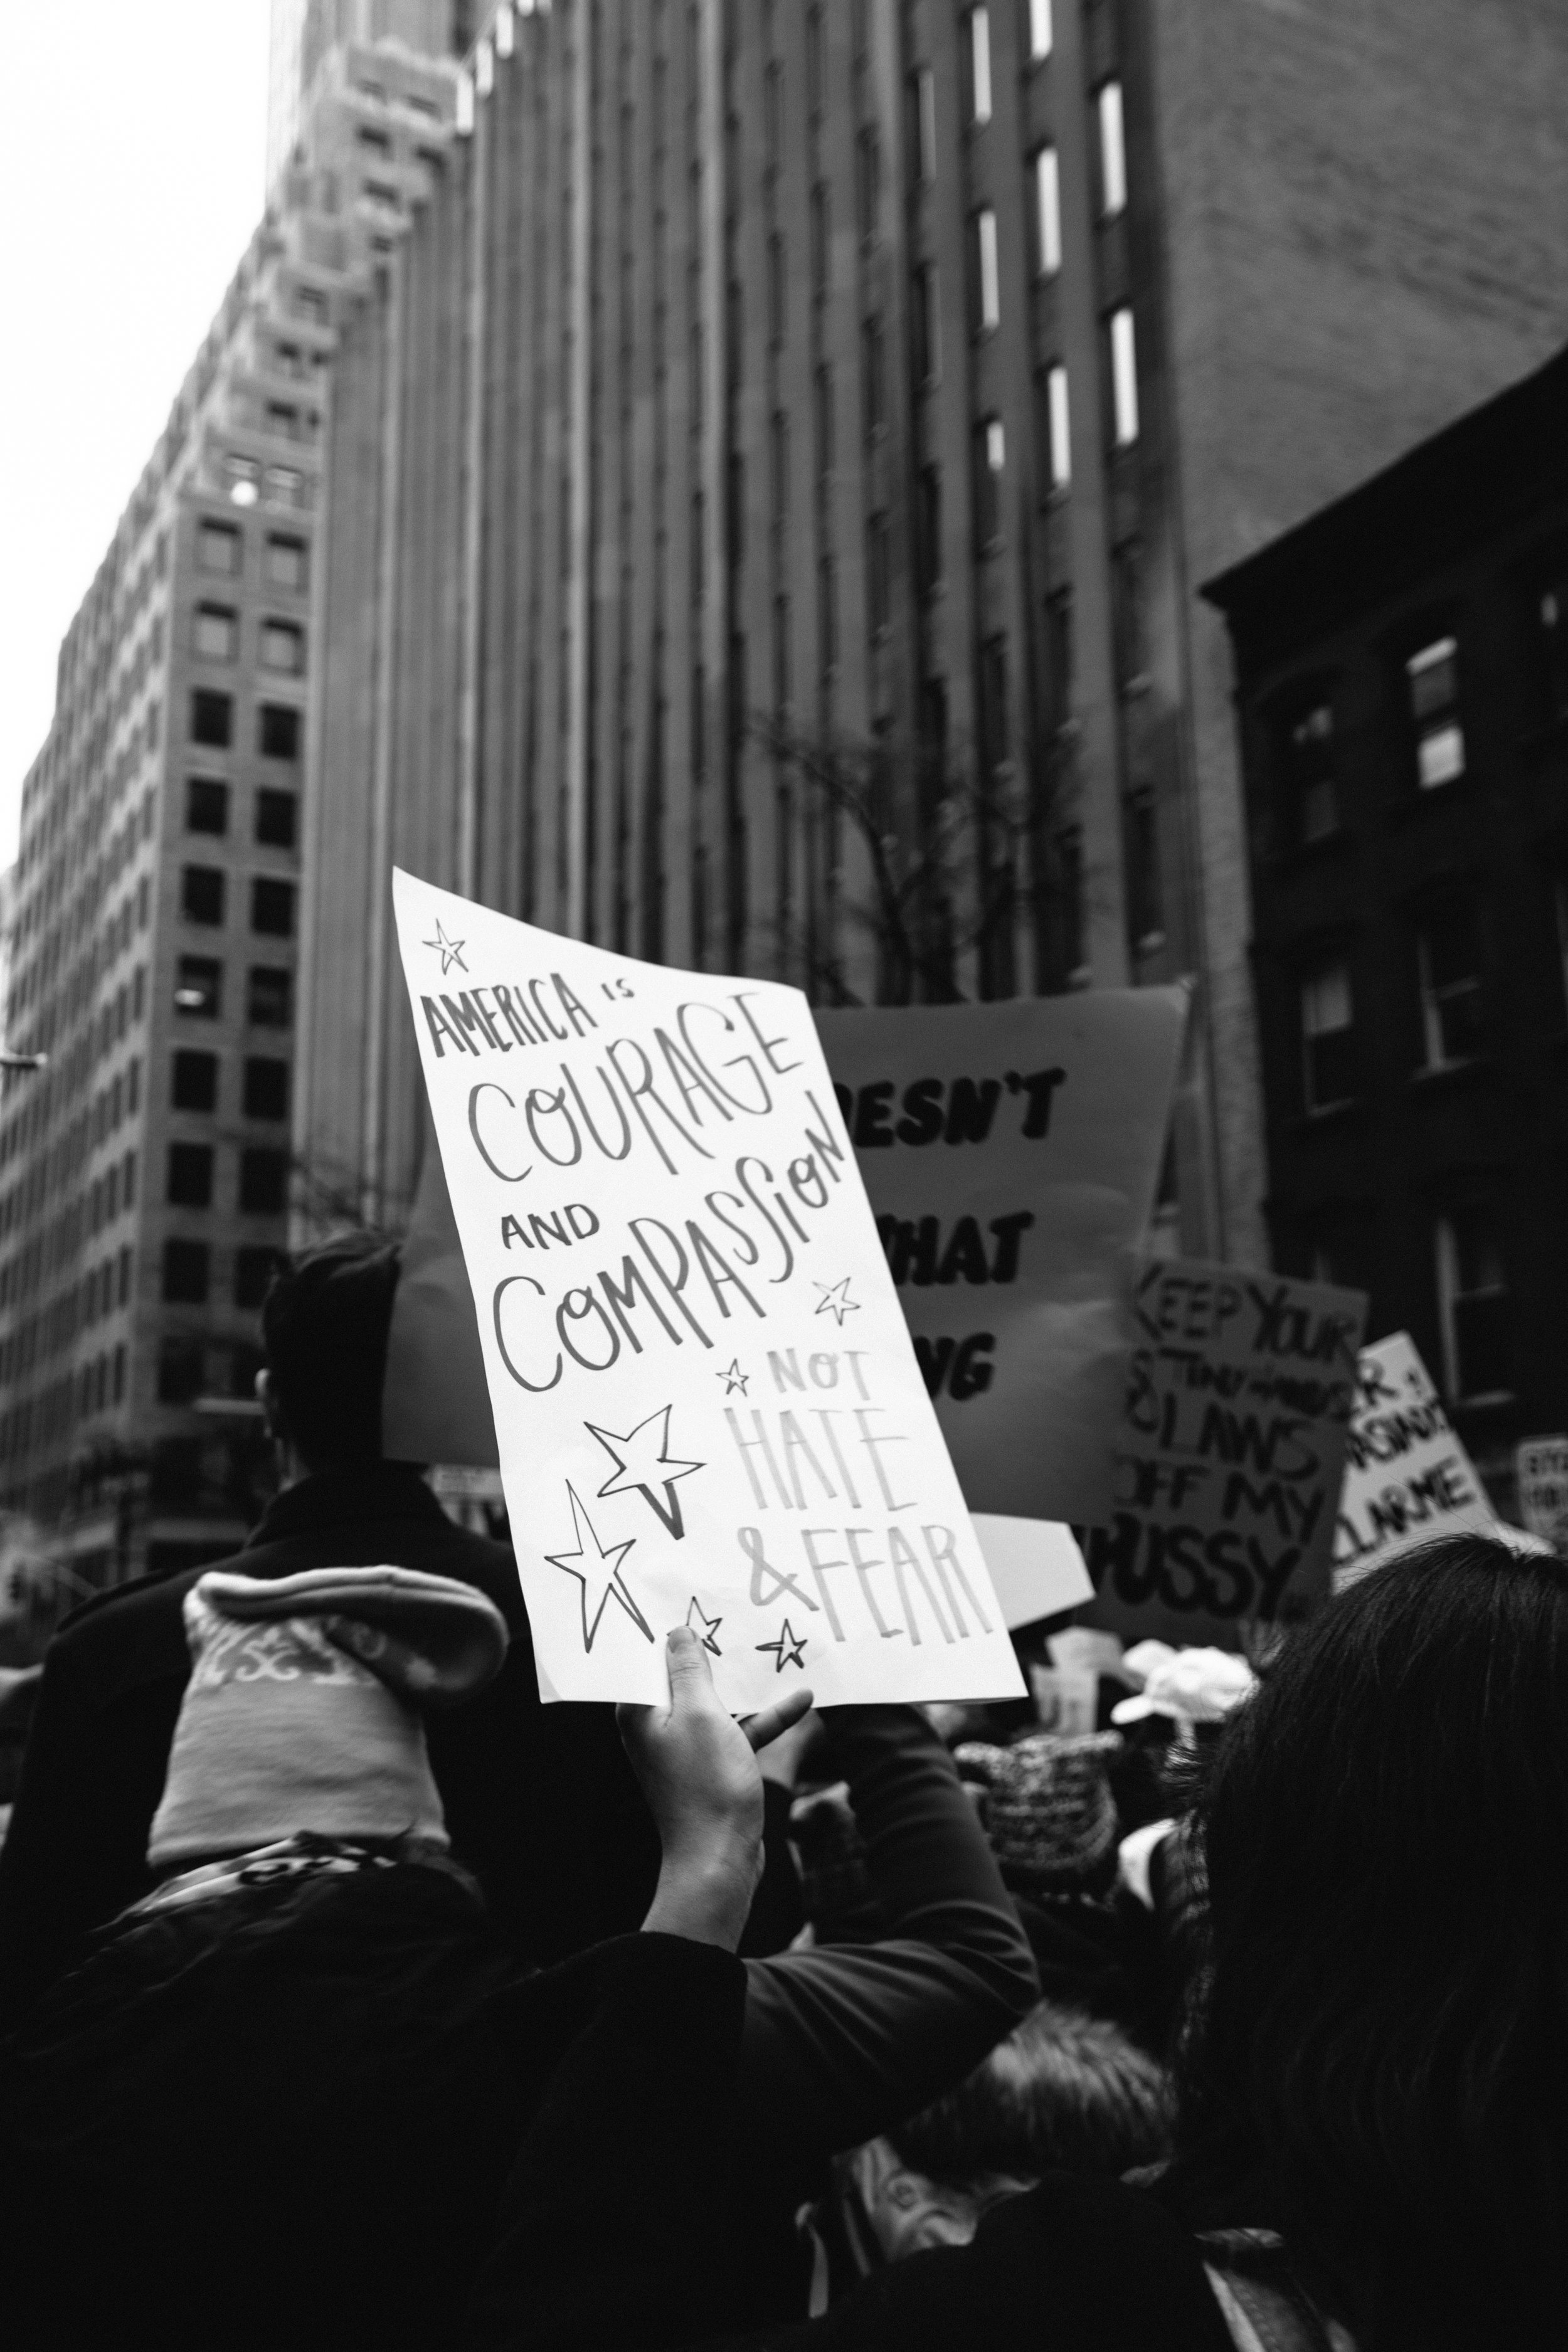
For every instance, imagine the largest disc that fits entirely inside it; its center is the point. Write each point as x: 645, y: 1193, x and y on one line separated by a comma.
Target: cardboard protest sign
x: 1011, y: 1152
x: 706, y: 1404
x: 1036, y: 1567
x: 1407, y: 1477
x: 1541, y: 1466
x: 1232, y: 1443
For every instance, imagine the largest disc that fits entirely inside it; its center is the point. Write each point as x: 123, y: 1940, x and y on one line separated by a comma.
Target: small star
x: 836, y: 1300
x: 605, y: 1571
x: 449, y: 951
x: 788, y: 1650
x: 734, y: 1378
x: 704, y: 1627
x: 646, y: 1466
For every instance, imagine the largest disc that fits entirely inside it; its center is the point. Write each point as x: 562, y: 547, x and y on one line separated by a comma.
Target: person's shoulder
x: 141, y: 1602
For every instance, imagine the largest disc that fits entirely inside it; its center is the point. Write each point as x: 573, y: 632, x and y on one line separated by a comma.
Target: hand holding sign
x: 707, y: 1406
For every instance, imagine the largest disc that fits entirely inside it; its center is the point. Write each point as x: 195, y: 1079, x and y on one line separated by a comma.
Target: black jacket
x: 541, y: 1803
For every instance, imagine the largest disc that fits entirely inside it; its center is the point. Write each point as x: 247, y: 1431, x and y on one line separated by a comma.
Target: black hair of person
x: 1377, y: 2051
x: 324, y: 1326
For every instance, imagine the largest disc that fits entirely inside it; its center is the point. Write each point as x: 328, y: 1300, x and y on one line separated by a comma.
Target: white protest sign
x: 1407, y: 1477
x: 1036, y: 1566
x: 706, y: 1401
x: 1542, y: 1465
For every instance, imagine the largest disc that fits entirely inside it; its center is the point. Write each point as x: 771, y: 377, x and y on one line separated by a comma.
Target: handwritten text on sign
x: 706, y: 1404
x: 1407, y: 1477
x: 1233, y: 1438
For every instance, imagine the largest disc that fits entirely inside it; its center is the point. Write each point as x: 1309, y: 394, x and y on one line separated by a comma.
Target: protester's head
x: 1383, y: 2029
x: 324, y: 1326
x: 1064, y: 2093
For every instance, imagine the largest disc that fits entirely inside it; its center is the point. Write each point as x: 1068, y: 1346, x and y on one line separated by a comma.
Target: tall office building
x: 146, y: 1174
x: 789, y: 439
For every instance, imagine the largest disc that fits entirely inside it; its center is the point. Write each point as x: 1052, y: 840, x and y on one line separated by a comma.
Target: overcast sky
x: 132, y: 175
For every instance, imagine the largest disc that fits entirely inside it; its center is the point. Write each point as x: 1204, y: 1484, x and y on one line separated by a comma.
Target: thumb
x: 691, y: 1675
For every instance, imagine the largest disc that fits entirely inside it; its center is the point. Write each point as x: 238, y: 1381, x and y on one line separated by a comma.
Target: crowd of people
x: 350, y: 1995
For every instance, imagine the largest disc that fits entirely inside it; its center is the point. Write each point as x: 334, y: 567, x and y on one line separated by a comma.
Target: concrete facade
x: 695, y: 542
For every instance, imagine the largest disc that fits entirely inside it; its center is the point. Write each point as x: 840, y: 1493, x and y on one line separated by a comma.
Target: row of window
x: 203, y: 894
x: 186, y: 1363
x: 1429, y: 695
x: 263, y: 1178
x: 1474, y: 1311
x: 220, y: 548
x: 278, y: 724
x: 275, y: 813
x: 1451, y: 989
x: 268, y: 991
x: 214, y: 637
x: 264, y: 1093
x: 187, y: 1273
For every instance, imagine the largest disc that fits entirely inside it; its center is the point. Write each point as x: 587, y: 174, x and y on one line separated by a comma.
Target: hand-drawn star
x: 734, y: 1378
x: 704, y: 1627
x: 788, y: 1650
x: 836, y: 1300
x: 644, y: 1461
x: 449, y: 951
x: 601, y: 1572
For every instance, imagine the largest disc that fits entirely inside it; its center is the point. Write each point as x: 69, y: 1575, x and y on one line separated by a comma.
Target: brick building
x: 791, y: 430
x: 145, y: 1174
x: 1402, y: 661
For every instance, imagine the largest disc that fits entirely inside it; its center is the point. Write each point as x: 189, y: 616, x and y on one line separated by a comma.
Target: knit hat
x: 1048, y: 1811
x: 1191, y: 1685
x: 299, y: 1712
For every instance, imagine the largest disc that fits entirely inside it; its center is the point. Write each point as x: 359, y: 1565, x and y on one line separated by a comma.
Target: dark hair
x: 1376, y: 2054
x: 324, y: 1324
x: 1064, y: 2093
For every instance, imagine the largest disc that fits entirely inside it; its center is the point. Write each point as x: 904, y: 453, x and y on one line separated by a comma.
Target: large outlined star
x: 601, y: 1572
x: 836, y: 1301
x: 704, y: 1627
x: 644, y: 1462
x: 788, y: 1650
x: 449, y: 951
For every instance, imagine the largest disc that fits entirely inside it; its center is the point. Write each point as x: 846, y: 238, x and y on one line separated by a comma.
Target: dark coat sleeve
x: 843, y: 2040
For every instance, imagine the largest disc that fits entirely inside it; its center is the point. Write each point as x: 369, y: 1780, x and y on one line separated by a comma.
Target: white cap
x: 1194, y: 1686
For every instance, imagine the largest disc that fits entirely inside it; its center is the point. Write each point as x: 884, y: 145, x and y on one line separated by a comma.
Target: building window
x: 283, y: 647
x: 1145, y: 898
x: 198, y: 986
x: 202, y: 894
x: 215, y: 633
x: 1113, y: 151
x: 206, y: 805
x: 1042, y: 31
x: 277, y: 731
x: 1448, y: 961
x: 873, y: 385
x: 272, y: 908
x: 867, y: 184
x: 266, y: 1089
x: 990, y: 455
x: 827, y: 614
x: 979, y: 66
x: 927, y: 527
x: 878, y: 574
x: 218, y: 547
x: 823, y: 402
x: 253, y: 1270
x: 1309, y: 761
x: 181, y: 1369
x: 286, y: 566
x: 778, y: 448
x: 269, y: 999
x: 820, y: 254
x: 212, y: 719
x: 1553, y: 613
x: 1123, y: 379
x: 1327, y: 1036
x: 243, y: 475
x: 1433, y: 680
x: 263, y: 1177
x: 777, y: 313
x: 193, y: 1085
x: 275, y: 815
x: 1059, y: 655
x: 186, y: 1266
x: 1126, y: 612
x: 986, y: 294
x: 190, y: 1185
x: 1472, y: 1307
x: 1059, y: 428
x: 923, y: 141
x: 993, y: 738
x: 927, y: 325
x: 1047, y: 213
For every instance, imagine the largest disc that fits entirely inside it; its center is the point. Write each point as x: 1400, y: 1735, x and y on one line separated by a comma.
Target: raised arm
x: 843, y: 2040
